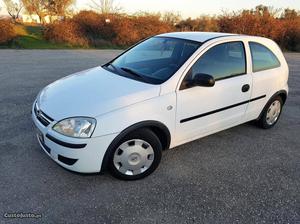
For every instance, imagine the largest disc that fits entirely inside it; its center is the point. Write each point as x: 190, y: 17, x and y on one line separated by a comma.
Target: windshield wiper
x: 132, y: 72
x: 111, y: 64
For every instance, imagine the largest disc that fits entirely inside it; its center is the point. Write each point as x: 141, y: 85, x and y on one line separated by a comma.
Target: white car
x: 165, y: 91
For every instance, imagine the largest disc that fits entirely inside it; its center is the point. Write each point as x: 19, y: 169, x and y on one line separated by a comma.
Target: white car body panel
x: 117, y: 102
x: 221, y: 95
x: 150, y: 110
x: 89, y: 158
x: 267, y: 81
x: 102, y: 92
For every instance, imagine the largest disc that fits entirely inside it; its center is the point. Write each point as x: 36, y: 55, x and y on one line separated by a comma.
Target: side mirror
x: 203, y: 80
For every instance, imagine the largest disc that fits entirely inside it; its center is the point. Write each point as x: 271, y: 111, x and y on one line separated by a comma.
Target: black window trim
x: 226, y: 77
x: 254, y: 42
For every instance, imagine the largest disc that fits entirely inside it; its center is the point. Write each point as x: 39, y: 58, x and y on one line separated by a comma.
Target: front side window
x: 154, y: 60
x: 262, y: 57
x: 221, y: 61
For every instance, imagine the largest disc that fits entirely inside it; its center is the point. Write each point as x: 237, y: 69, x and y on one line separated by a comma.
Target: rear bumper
x: 79, y: 155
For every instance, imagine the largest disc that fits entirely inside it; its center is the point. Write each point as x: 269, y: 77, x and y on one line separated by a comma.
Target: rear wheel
x: 271, y: 113
x: 136, y: 156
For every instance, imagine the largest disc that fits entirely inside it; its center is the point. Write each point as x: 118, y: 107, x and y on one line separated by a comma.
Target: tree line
x: 62, y: 8
x: 106, y: 24
x: 41, y: 8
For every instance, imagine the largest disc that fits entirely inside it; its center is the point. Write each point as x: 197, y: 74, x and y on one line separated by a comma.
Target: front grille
x: 41, y: 116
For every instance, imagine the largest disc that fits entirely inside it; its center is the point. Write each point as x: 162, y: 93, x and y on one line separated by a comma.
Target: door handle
x: 245, y: 88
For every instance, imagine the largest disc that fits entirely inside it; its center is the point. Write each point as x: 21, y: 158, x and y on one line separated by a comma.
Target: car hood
x: 91, y: 93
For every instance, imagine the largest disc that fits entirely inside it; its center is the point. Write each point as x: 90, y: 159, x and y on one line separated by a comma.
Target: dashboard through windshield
x: 154, y: 60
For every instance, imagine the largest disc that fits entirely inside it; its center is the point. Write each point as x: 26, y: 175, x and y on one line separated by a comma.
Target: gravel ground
x: 241, y: 175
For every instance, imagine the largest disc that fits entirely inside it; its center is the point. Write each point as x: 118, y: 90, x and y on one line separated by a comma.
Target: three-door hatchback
x: 165, y: 91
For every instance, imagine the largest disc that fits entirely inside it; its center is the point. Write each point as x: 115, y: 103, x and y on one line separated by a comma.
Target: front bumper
x: 79, y: 155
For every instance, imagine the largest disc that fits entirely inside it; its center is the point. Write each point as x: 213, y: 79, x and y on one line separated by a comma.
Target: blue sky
x: 191, y: 8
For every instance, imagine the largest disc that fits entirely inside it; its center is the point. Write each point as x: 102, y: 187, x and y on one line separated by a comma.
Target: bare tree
x: 171, y: 18
x: 266, y: 10
x: 13, y: 8
x: 290, y: 14
x: 106, y: 6
x: 37, y: 7
x: 58, y: 7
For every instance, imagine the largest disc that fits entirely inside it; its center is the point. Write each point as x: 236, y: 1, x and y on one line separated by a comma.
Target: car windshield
x: 154, y: 60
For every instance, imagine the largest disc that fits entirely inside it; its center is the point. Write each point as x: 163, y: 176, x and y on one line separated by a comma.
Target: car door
x: 204, y: 110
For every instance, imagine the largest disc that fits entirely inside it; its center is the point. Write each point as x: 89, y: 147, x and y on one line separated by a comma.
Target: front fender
x: 160, y: 109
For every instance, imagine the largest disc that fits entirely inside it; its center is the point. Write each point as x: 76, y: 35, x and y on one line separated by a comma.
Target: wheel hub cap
x: 273, y: 112
x: 133, y: 157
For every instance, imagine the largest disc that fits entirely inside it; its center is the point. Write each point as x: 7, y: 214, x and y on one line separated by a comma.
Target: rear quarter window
x: 262, y: 57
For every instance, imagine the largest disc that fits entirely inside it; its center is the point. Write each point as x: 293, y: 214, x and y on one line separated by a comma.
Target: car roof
x: 196, y: 36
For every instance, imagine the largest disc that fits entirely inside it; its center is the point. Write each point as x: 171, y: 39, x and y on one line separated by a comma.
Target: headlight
x: 78, y: 127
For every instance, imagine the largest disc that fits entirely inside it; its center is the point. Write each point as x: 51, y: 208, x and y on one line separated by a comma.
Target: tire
x: 264, y: 121
x: 136, y: 156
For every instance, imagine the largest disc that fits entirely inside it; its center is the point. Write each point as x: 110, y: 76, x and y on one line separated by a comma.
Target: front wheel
x: 271, y: 113
x: 136, y: 156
